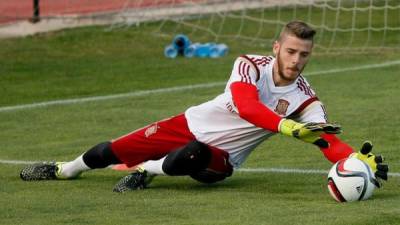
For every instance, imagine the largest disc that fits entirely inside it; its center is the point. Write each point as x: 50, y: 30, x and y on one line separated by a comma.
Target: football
x: 351, y: 180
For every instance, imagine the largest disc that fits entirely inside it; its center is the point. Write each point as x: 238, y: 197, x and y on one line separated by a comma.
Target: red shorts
x: 156, y: 140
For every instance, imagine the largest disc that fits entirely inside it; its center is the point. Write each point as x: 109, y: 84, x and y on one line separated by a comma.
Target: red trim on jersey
x: 337, y: 149
x: 245, y: 97
x: 255, y: 66
x: 304, y: 105
x: 244, y: 72
x: 302, y: 85
x: 248, y: 71
x: 262, y: 61
x: 240, y: 71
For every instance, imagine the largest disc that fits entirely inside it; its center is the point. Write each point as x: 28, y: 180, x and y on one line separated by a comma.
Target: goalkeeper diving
x: 264, y: 96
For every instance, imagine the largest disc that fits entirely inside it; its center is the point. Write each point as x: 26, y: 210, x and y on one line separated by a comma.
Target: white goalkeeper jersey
x: 217, y: 122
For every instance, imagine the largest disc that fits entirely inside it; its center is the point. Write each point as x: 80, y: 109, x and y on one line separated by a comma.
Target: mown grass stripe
x: 245, y: 170
x: 175, y: 89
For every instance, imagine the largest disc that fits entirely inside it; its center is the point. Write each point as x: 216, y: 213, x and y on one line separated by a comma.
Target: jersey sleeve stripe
x: 247, y: 72
x: 254, y: 66
x: 308, y: 89
x: 302, y: 85
x: 240, y: 72
x: 262, y: 61
x: 240, y: 69
x: 244, y: 72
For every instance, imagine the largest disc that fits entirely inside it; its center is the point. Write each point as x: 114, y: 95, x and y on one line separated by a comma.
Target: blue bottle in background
x: 181, y: 42
x: 218, y: 50
x: 190, y: 51
x: 203, y: 50
x: 170, y: 51
x: 181, y: 45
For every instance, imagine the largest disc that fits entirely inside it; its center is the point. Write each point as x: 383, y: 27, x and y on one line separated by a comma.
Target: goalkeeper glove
x: 375, y: 162
x: 308, y: 132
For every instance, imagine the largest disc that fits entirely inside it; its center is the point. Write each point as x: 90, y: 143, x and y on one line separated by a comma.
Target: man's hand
x: 375, y: 162
x: 308, y: 132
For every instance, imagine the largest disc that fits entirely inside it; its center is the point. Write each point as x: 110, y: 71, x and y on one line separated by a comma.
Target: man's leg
x: 203, y: 163
x: 100, y: 156
x: 218, y: 169
x: 191, y: 158
x: 149, y: 143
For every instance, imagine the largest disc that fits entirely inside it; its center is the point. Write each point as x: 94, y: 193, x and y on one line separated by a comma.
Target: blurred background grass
x: 95, y: 61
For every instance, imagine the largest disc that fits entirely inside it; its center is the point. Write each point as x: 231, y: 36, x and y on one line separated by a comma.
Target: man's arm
x: 331, y: 146
x: 336, y: 149
x: 245, y: 97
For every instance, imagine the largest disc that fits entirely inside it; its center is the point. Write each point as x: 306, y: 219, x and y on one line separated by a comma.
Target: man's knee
x: 210, y: 176
x: 191, y: 158
x: 100, y: 156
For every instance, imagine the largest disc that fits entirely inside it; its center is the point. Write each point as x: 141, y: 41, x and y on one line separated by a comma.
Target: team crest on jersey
x: 151, y: 130
x: 281, y: 107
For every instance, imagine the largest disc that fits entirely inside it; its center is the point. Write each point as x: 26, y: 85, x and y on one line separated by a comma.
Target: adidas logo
x: 359, y: 189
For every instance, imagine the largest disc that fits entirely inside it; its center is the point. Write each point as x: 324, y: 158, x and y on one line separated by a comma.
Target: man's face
x: 292, y: 55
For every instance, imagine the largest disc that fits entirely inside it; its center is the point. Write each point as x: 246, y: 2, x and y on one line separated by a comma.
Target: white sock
x: 154, y: 166
x: 73, y: 168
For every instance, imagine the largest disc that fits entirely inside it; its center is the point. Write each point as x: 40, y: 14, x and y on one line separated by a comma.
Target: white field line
x: 175, y: 89
x: 109, y: 97
x: 17, y: 162
x: 293, y: 170
x: 355, y: 68
x: 245, y: 170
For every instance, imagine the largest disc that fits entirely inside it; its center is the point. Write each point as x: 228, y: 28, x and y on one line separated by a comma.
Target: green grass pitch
x: 88, y: 62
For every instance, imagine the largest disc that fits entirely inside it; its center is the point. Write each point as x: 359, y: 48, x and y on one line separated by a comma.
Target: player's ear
x: 275, y: 47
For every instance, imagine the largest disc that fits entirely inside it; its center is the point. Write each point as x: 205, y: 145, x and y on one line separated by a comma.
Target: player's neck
x: 278, y: 79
